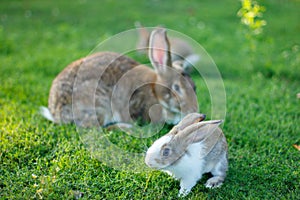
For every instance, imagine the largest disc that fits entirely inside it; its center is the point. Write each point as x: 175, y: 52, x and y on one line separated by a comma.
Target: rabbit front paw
x: 214, y: 182
x: 183, y: 192
x: 186, y: 186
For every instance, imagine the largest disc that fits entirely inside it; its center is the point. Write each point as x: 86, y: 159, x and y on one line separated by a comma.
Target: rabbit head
x: 174, y: 89
x: 168, y: 149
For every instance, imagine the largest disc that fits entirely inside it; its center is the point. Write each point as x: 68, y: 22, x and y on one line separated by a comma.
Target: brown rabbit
x: 106, y: 88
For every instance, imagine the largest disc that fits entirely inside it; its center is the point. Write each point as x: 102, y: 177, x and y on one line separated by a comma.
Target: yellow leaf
x: 247, y: 4
x: 297, y: 147
x: 33, y: 176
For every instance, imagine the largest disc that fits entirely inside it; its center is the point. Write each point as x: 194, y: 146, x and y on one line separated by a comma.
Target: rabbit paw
x: 214, y: 182
x: 183, y: 192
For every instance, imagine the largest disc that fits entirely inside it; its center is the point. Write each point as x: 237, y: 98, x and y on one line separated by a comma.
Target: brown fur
x: 107, y: 87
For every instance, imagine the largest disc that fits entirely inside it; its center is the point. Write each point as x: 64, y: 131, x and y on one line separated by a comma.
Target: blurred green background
x: 39, y: 38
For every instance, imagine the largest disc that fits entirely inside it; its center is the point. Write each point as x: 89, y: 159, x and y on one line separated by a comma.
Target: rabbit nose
x: 202, y: 117
x: 149, y: 164
x: 150, y: 161
x: 147, y: 161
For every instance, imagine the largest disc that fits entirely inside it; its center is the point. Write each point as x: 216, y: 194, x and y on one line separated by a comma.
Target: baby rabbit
x: 107, y: 88
x: 190, y: 149
x: 180, y: 49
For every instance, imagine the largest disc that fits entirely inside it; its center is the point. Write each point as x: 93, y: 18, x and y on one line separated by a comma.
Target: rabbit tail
x: 45, y: 112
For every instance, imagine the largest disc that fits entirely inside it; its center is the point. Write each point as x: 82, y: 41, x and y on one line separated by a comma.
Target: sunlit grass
x: 39, y: 159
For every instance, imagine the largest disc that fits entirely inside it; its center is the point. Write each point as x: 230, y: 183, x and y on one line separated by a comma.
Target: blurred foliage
x: 251, y: 14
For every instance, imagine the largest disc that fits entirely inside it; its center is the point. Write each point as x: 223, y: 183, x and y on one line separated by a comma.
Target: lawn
x: 42, y: 160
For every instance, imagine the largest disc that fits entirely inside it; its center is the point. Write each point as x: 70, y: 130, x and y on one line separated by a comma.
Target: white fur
x: 153, y: 152
x: 45, y: 112
x: 188, y: 169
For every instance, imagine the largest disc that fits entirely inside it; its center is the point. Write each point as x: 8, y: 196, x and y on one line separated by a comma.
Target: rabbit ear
x: 199, y: 131
x: 159, y: 50
x: 188, y: 120
x: 143, y: 37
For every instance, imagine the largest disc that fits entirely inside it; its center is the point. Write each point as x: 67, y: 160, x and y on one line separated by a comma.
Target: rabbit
x: 107, y: 88
x: 180, y: 49
x: 191, y: 148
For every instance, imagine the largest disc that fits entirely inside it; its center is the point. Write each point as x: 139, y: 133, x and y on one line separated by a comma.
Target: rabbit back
x: 85, y: 90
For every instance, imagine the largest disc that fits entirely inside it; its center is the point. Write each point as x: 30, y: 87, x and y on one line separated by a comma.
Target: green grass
x: 41, y: 160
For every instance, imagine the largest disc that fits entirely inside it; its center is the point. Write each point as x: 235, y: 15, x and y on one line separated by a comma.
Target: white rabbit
x: 107, y: 88
x: 190, y: 149
x: 180, y: 49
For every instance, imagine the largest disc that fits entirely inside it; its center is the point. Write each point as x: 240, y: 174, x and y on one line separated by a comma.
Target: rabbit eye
x: 176, y: 87
x: 166, y: 152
